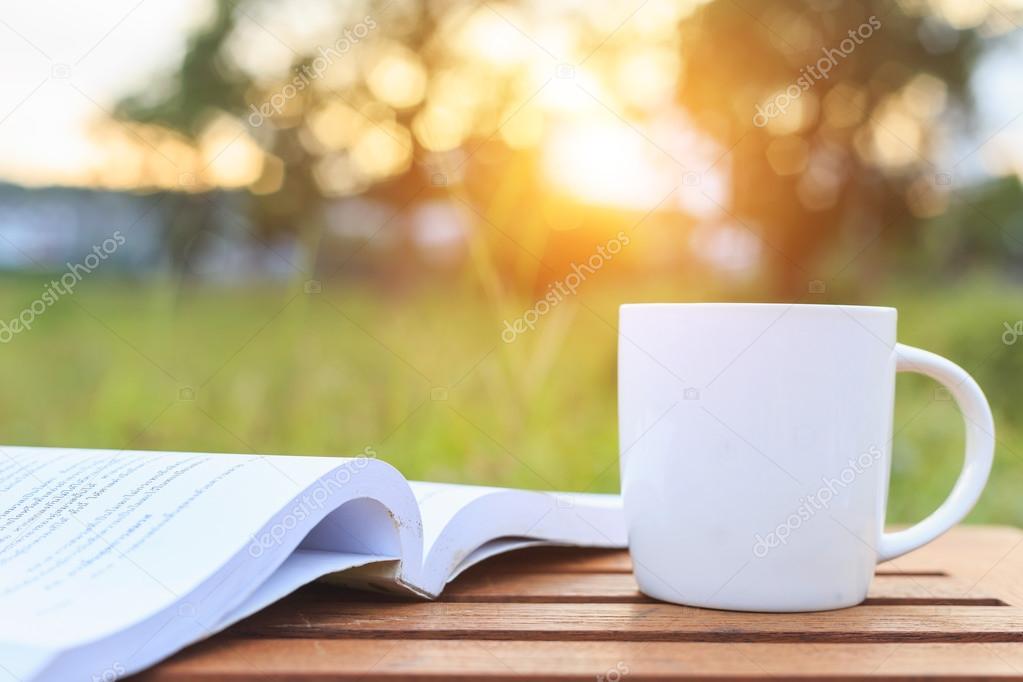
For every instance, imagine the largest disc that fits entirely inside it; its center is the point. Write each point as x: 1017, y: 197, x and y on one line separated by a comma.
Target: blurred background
x: 313, y: 226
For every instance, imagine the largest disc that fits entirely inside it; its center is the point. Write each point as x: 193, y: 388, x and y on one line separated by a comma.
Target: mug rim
x: 733, y: 304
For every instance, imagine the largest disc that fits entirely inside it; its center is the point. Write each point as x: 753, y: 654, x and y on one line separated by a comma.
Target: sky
x: 65, y: 64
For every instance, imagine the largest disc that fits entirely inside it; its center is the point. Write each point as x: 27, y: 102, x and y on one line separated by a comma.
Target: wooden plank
x: 633, y: 622
x: 968, y: 552
x: 562, y: 613
x: 621, y: 588
x: 349, y: 659
x: 928, y: 589
x: 990, y: 558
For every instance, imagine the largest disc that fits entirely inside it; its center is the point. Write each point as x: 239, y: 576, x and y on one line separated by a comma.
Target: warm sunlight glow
x: 646, y: 78
x: 230, y: 157
x: 896, y: 136
x: 398, y: 77
x: 571, y: 90
x: 523, y: 127
x: 489, y: 33
x: 336, y: 125
x: 440, y: 128
x: 605, y: 163
x: 383, y: 150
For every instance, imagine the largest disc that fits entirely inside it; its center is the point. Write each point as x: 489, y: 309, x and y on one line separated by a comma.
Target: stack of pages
x: 113, y: 560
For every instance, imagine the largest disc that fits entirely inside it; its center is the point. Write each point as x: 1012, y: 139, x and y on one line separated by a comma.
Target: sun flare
x: 605, y: 163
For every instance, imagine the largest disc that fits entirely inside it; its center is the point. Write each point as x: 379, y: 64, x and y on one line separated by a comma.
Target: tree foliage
x: 849, y: 158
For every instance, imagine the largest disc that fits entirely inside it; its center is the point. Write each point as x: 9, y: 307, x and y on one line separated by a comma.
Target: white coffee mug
x: 756, y: 448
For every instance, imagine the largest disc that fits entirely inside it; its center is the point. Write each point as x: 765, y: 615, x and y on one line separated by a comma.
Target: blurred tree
x: 836, y: 162
x: 828, y: 111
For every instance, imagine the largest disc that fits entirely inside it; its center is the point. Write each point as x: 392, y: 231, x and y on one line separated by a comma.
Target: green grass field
x: 424, y: 379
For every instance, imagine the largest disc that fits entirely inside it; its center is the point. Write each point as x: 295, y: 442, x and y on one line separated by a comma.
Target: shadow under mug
x: 755, y: 450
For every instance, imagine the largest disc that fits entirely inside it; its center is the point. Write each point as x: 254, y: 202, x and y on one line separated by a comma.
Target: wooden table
x: 952, y: 609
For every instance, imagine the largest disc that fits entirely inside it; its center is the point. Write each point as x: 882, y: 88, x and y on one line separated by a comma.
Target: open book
x: 113, y: 560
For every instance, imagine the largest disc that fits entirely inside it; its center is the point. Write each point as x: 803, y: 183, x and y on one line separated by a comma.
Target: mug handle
x: 980, y: 450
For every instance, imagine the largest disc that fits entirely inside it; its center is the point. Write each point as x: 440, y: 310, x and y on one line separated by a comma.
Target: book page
x: 83, y: 530
x: 438, y: 504
x: 93, y: 542
x: 463, y: 525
